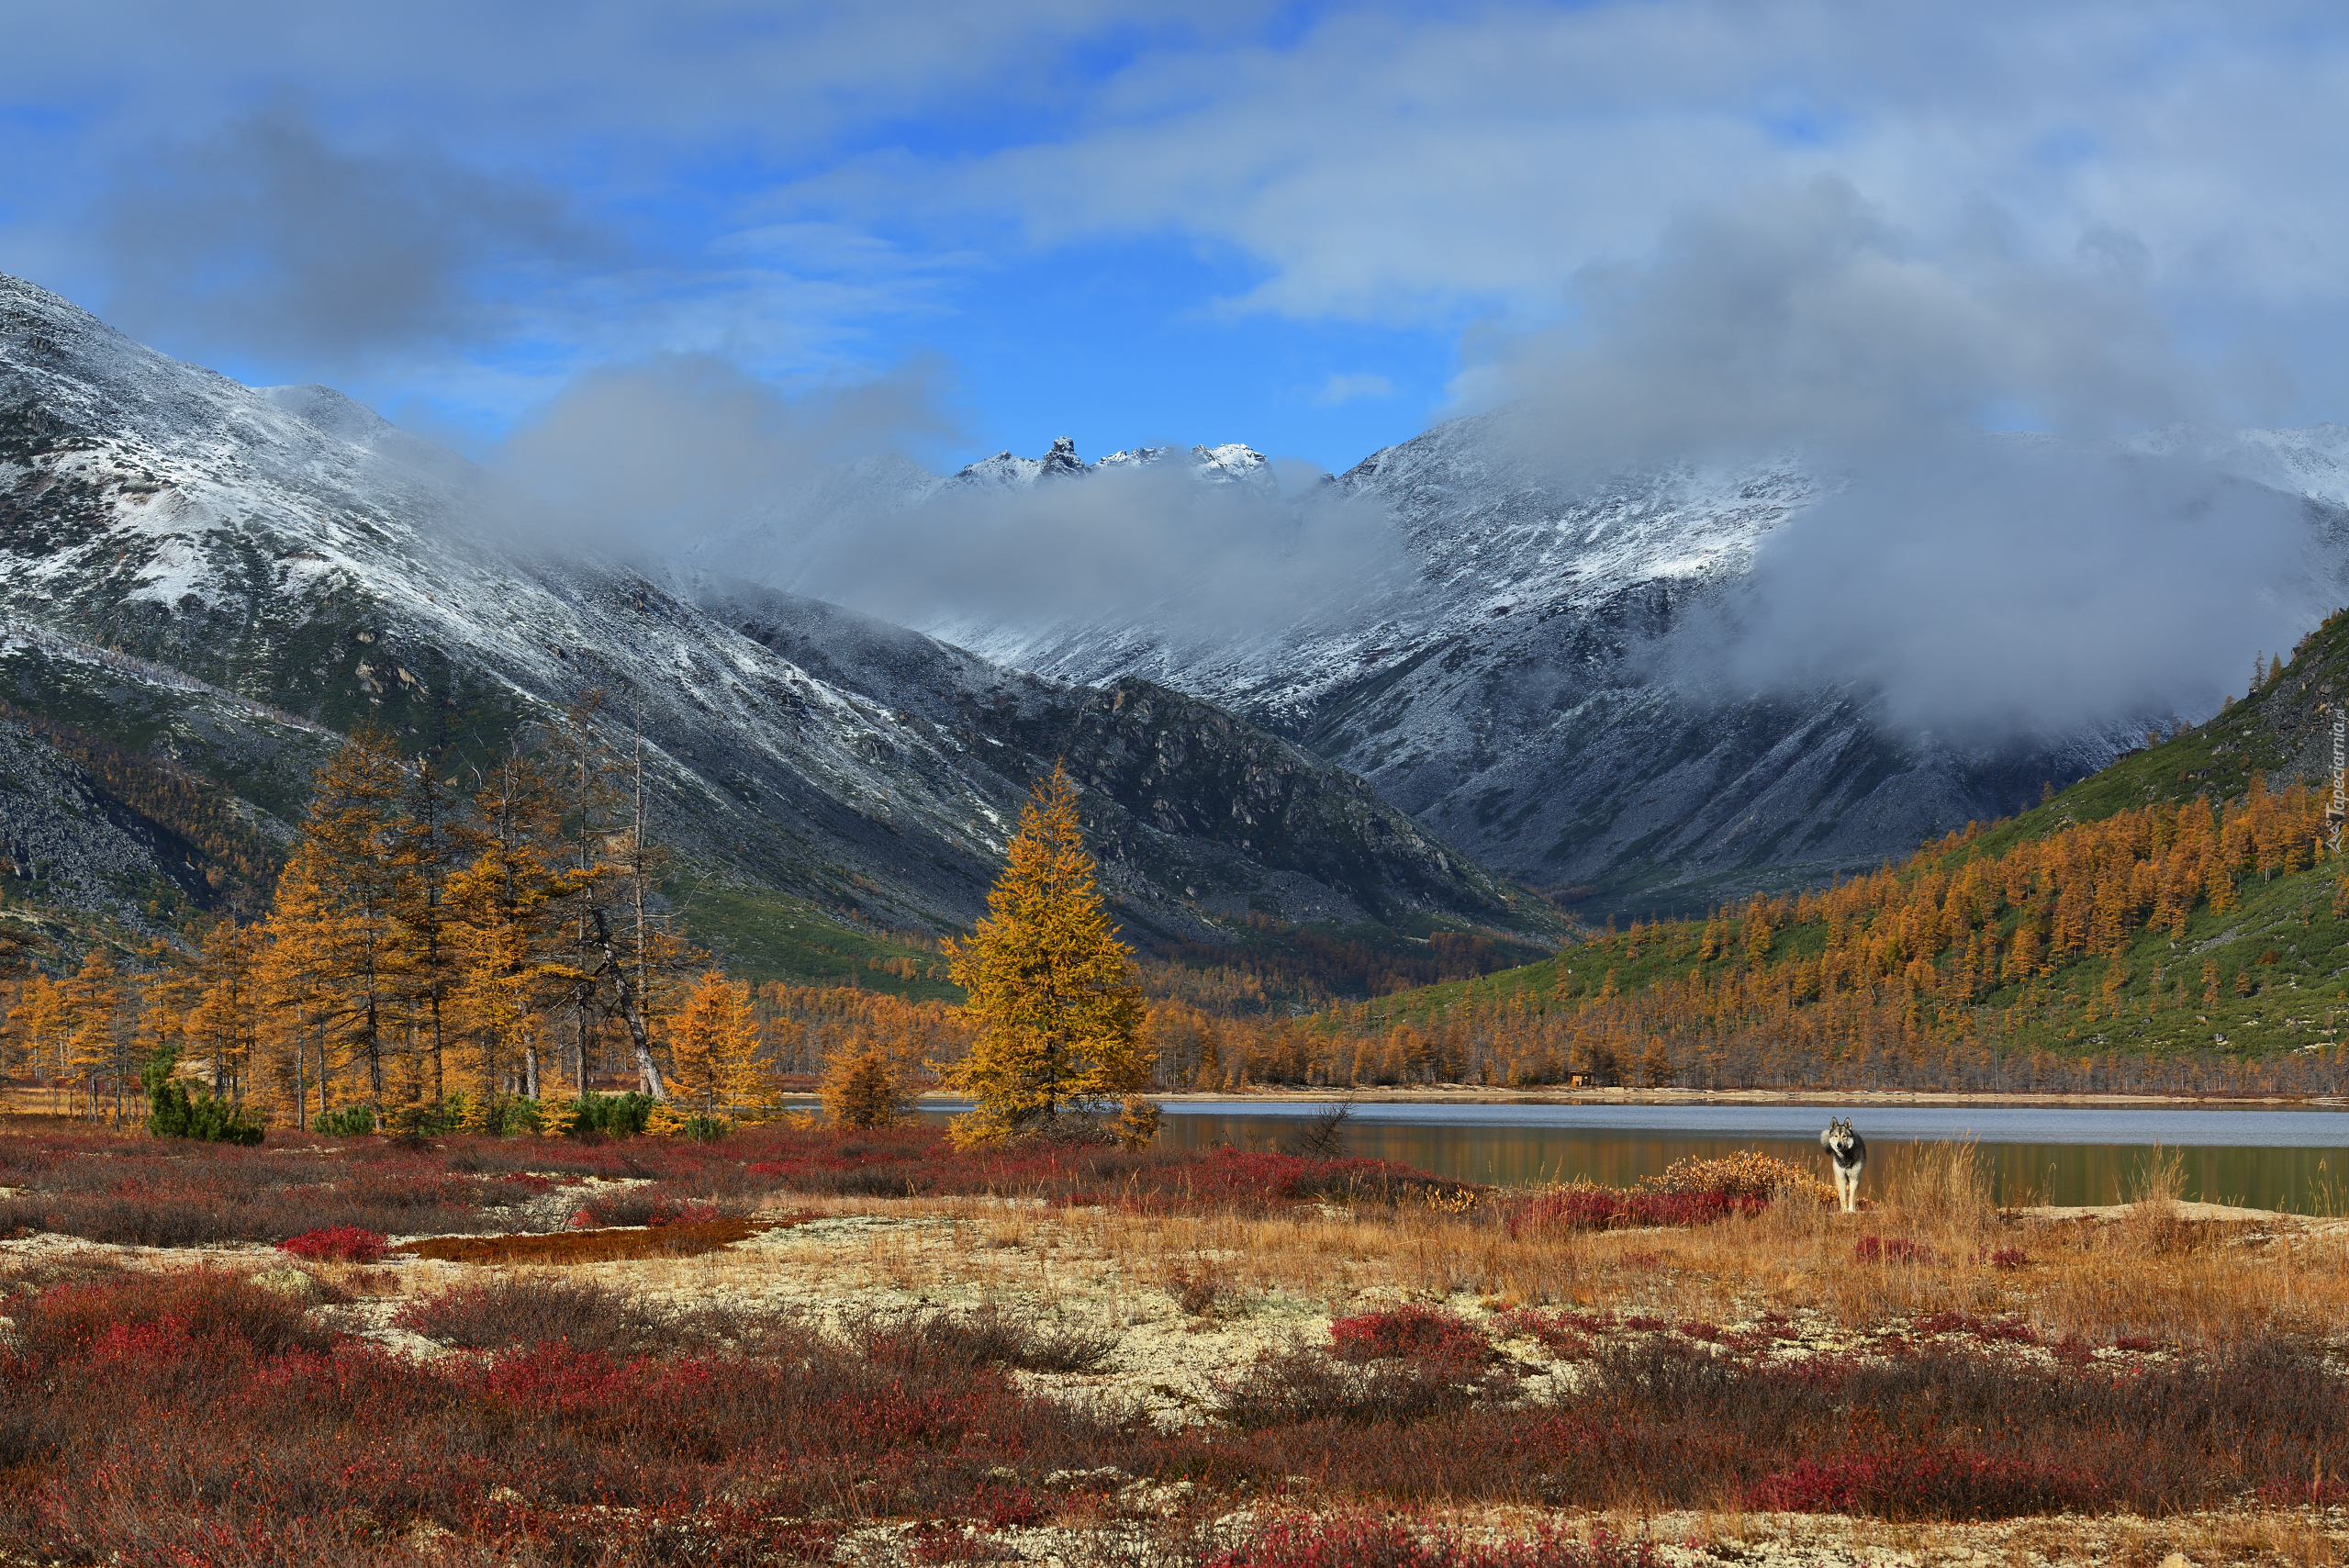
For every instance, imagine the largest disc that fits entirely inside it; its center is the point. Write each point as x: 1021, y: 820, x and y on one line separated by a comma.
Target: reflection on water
x: 2026, y: 1164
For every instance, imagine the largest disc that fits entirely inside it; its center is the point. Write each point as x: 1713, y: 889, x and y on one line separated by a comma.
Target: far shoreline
x: 1477, y: 1095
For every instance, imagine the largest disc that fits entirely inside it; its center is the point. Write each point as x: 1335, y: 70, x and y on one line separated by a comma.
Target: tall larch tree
x: 434, y: 836
x: 44, y: 1022
x: 508, y: 933
x: 714, y: 1068
x: 1051, y: 988
x: 224, y: 1023
x: 100, y: 1044
x: 339, y: 900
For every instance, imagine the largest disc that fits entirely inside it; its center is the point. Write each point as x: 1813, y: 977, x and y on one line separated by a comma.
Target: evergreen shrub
x: 613, y: 1115
x: 173, y: 1112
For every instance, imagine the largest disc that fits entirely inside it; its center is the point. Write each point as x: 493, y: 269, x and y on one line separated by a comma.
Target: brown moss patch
x: 605, y: 1246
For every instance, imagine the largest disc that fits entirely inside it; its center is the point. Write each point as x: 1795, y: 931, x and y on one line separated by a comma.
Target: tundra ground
x: 1090, y: 1357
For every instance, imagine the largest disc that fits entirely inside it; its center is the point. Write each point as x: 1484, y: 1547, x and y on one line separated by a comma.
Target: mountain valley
x: 226, y: 579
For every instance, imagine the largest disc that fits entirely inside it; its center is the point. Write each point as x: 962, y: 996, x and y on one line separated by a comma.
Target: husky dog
x: 1848, y: 1154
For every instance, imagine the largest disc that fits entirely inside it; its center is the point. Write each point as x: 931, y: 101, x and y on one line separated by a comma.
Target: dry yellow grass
x: 2147, y: 1272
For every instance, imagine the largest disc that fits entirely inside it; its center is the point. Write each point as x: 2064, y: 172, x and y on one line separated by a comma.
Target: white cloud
x: 642, y: 458
x: 1348, y: 389
x: 1803, y: 317
x: 1386, y: 162
x: 1409, y: 165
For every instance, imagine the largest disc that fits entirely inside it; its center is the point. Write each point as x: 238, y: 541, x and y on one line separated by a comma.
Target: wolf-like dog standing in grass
x: 1848, y: 1154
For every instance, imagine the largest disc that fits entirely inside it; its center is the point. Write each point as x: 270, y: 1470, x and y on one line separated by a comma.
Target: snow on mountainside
x: 1498, y: 683
x: 288, y: 546
x: 2313, y: 462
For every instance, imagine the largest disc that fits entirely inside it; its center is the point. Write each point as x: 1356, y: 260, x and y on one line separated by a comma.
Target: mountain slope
x: 294, y: 549
x: 1505, y: 685
x: 2175, y: 922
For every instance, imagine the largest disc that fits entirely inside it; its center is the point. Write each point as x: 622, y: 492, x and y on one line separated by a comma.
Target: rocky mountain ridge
x: 1502, y: 681
x: 287, y: 546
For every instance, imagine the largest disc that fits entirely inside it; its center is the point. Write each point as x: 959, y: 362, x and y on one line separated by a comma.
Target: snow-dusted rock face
x: 63, y: 835
x: 288, y: 546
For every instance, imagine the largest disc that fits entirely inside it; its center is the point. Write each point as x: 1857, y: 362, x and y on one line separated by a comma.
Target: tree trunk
x: 632, y: 1011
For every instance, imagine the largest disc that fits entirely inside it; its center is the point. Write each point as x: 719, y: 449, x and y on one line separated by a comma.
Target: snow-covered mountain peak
x: 1005, y: 471
x: 1231, y: 464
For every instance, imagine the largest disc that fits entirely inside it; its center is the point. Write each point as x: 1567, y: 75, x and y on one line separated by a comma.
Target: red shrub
x: 68, y: 1321
x: 336, y: 1244
x: 1410, y: 1333
x: 912, y: 1161
x: 2309, y: 1493
x: 1890, y: 1249
x: 524, y: 1310
x: 1565, y: 1335
x: 1606, y: 1208
x: 2009, y: 1257
x: 1924, y: 1483
x: 1013, y: 1509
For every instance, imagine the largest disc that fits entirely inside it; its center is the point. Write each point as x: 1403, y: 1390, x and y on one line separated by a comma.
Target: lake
x: 2262, y: 1159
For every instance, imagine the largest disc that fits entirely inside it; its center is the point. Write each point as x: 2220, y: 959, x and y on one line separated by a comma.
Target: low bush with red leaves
x: 1925, y: 1483
x: 1613, y: 1208
x: 112, y: 1189
x: 336, y: 1244
x: 918, y: 1162
x: 524, y: 1311
x: 1397, y: 1364
x: 191, y: 1416
x: 64, y: 1321
x: 1409, y: 1333
x: 1890, y: 1249
x: 1565, y: 1334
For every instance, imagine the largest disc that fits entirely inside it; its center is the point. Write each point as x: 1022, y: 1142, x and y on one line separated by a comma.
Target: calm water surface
x: 2278, y: 1160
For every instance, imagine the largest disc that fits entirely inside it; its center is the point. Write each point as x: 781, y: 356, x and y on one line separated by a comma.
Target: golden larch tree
x: 861, y: 1089
x: 336, y: 904
x: 45, y: 1025
x: 1051, y: 987
x: 100, y: 1046
x: 224, y: 1023
x: 714, y: 1068
x: 506, y: 934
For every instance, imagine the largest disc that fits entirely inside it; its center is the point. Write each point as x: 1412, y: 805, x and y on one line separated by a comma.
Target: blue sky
x: 1313, y: 229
